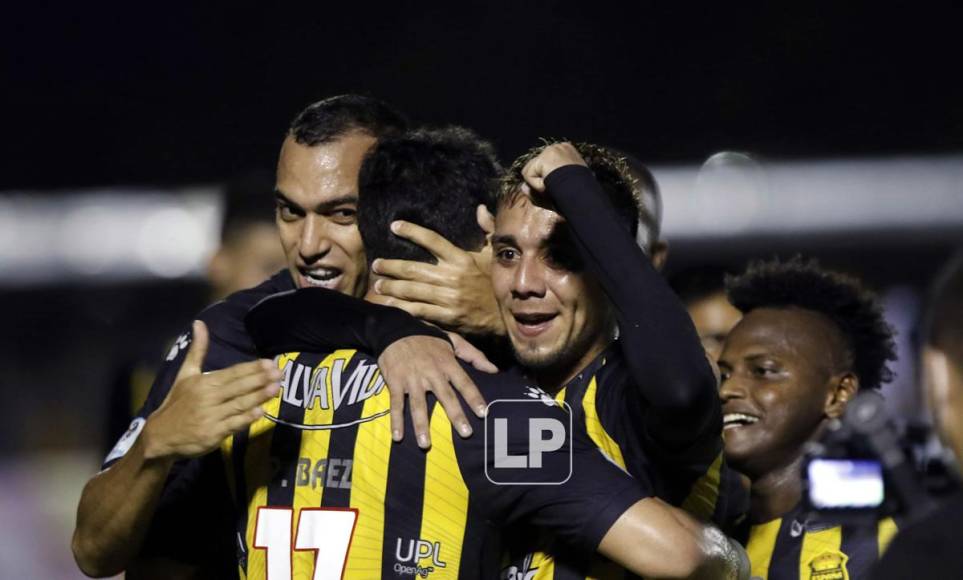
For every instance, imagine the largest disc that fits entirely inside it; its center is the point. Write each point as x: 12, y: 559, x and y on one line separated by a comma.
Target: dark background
x: 180, y: 93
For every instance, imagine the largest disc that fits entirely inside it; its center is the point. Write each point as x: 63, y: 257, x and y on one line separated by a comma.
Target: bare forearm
x: 115, y: 511
x: 655, y: 540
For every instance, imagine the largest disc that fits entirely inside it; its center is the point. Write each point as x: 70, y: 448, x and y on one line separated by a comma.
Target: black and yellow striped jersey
x: 650, y: 401
x: 795, y: 547
x: 613, y: 418
x: 321, y: 491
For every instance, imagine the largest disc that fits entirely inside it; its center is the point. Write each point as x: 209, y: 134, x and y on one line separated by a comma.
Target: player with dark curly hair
x: 809, y: 340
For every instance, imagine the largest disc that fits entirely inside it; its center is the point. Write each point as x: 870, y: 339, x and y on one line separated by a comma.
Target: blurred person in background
x: 703, y: 291
x: 930, y: 548
x: 189, y: 412
x: 808, y: 341
x: 249, y: 253
x: 646, y: 189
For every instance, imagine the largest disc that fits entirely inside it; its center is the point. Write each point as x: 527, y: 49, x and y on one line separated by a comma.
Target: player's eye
x: 287, y: 213
x: 766, y: 371
x: 344, y: 216
x: 506, y: 255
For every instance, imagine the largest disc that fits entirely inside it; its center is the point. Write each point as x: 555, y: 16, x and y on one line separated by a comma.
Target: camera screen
x: 845, y: 483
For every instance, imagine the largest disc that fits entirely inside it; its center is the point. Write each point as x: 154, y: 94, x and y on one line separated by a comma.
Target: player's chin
x: 534, y: 354
x: 741, y: 450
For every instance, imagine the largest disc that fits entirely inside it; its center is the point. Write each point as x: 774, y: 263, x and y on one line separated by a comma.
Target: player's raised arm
x: 201, y: 409
x: 661, y: 347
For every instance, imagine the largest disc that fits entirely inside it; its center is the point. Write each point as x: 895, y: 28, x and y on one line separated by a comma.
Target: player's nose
x: 529, y: 279
x: 313, y: 244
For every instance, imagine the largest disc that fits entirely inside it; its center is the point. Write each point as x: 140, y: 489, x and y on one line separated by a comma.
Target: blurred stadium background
x: 121, y: 125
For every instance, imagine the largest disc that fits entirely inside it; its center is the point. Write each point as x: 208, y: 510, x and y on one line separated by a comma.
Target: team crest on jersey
x: 327, y: 387
x: 829, y: 566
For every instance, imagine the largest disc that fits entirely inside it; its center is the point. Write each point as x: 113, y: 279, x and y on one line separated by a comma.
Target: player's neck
x: 552, y: 380
x: 775, y: 493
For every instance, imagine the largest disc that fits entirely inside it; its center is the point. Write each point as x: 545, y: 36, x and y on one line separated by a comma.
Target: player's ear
x: 486, y: 221
x: 844, y: 389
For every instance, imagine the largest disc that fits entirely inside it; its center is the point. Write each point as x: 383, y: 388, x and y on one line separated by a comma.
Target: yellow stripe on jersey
x: 822, y: 551
x: 257, y: 471
x: 543, y: 564
x: 595, y: 429
x: 884, y: 533
x: 445, y: 510
x: 314, y: 447
x: 761, y: 544
x: 701, y: 501
x: 560, y: 396
x: 369, y: 481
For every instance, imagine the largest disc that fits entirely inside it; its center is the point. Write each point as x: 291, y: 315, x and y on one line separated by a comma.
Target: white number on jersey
x: 325, y: 531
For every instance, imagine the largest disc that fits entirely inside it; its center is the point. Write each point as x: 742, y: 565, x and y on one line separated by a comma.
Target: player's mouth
x: 738, y: 420
x: 320, y: 277
x: 532, y: 324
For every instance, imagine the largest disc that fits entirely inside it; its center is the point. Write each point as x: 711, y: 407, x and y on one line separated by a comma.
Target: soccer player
x: 416, y: 513
x: 929, y: 548
x: 703, y: 291
x: 594, y: 324
x: 808, y: 341
x: 189, y: 412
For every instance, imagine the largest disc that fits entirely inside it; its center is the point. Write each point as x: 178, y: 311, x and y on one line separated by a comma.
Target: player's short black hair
x: 610, y: 169
x: 804, y: 284
x: 435, y: 178
x: 329, y: 119
x: 697, y: 282
x: 943, y: 326
x: 246, y: 202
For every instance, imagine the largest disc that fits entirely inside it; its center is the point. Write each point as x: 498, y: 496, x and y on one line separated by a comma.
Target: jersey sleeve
x: 518, y: 474
x: 667, y: 363
x: 318, y: 319
x: 159, y: 390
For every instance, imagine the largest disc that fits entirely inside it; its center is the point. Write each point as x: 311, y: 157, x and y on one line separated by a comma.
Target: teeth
x: 323, y: 274
x: 738, y: 419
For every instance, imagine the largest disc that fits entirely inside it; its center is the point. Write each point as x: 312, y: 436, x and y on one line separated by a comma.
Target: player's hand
x: 455, y: 293
x: 551, y: 158
x: 202, y: 409
x: 469, y: 353
x: 417, y: 365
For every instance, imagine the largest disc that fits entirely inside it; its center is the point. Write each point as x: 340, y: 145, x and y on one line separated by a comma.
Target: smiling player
x: 808, y: 341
